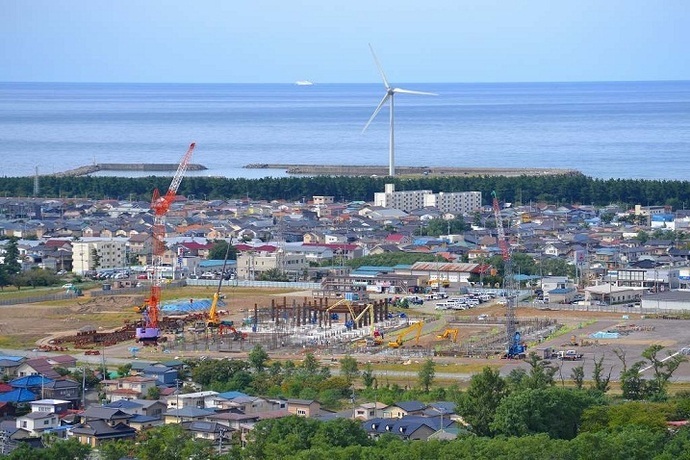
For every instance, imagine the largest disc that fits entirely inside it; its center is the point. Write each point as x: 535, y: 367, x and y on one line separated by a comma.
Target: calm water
x: 620, y: 130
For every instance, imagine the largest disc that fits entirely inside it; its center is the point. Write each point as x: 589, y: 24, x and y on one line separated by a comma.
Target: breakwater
x: 152, y: 167
x: 368, y: 170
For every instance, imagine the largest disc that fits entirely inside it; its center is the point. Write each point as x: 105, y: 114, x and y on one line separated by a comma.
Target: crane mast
x: 149, y: 331
x: 515, y: 347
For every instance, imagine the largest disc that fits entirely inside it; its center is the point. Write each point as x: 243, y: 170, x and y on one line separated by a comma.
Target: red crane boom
x: 149, y: 332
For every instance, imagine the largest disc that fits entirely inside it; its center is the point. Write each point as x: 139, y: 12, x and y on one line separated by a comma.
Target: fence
x: 258, y: 284
x: 39, y: 298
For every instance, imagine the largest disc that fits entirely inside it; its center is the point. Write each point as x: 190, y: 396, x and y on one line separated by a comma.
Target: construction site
x: 296, y: 323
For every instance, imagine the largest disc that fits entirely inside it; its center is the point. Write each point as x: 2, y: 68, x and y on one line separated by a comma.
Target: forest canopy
x: 562, y: 189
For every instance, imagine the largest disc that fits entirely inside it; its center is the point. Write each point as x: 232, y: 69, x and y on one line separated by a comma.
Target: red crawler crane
x: 149, y: 332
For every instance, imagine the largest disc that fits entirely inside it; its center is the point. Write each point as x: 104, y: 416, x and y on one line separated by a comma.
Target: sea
x: 637, y: 130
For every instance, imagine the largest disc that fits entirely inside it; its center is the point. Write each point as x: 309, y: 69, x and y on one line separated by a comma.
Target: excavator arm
x: 400, y: 339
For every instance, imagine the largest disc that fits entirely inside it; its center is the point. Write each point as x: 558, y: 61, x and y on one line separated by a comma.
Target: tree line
x: 562, y: 189
x: 528, y: 414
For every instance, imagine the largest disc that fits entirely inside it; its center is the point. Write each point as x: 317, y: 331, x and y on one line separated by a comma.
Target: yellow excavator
x: 451, y: 334
x: 400, y: 339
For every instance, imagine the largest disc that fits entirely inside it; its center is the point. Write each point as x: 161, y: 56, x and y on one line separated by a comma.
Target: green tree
x: 663, y: 368
x: 310, y: 365
x: 578, y: 376
x: 479, y: 403
x: 258, y: 358
x: 368, y: 378
x: 95, y: 259
x: 600, y: 382
x: 116, y: 450
x: 12, y: 264
x: 426, y: 374
x: 554, y: 410
x: 349, y: 368
x: 153, y: 393
x: 340, y: 433
x: 220, y: 249
x: 124, y: 369
x: 280, y: 438
x: 171, y: 442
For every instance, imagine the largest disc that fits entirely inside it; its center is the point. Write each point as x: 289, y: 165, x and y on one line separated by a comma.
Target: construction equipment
x: 149, y: 332
x: 214, y: 320
x: 451, y: 334
x: 399, y: 340
x: 515, y: 347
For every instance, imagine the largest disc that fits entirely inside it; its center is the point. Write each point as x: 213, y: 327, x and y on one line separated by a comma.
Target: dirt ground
x: 24, y: 326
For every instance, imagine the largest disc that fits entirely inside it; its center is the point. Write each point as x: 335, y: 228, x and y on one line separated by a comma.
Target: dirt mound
x: 111, y: 303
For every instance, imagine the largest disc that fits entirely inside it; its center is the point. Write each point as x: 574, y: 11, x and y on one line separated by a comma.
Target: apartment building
x: 451, y: 202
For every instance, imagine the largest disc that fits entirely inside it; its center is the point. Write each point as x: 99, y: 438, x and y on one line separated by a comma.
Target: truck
x: 569, y: 355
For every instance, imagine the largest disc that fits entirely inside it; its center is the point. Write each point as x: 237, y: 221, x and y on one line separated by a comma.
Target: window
x: 301, y: 412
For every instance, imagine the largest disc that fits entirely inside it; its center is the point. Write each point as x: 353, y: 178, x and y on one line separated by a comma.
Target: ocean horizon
x: 638, y: 130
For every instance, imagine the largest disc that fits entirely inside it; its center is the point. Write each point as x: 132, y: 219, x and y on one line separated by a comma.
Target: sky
x: 281, y: 41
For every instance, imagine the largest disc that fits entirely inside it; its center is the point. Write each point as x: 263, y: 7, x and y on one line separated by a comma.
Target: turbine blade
x: 378, y: 65
x: 378, y: 109
x: 409, y: 91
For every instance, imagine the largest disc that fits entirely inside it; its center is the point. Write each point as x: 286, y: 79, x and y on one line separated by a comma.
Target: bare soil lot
x: 23, y: 326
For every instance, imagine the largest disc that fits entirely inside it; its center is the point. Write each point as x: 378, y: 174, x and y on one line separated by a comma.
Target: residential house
x: 38, y: 422
x: 63, y: 361
x: 403, y: 408
x: 368, y: 411
x: 95, y: 432
x: 165, y: 375
x: 132, y: 387
x: 199, y: 400
x: 409, y: 427
x: 304, y: 407
x: 37, y: 366
x: 63, y: 389
x: 212, y: 431
x: 558, y: 289
x: 54, y: 406
x: 9, y: 366
x: 187, y: 414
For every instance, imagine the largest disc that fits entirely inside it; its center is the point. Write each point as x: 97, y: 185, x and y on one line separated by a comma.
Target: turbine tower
x: 390, y: 93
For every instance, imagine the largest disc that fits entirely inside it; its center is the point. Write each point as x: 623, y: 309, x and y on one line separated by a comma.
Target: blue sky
x: 245, y: 41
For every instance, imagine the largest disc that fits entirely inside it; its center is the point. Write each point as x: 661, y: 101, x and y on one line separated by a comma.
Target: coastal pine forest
x: 558, y: 189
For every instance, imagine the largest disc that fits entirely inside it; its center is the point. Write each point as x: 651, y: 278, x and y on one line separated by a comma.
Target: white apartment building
x: 112, y: 253
x: 455, y: 202
x: 251, y: 264
x: 451, y: 202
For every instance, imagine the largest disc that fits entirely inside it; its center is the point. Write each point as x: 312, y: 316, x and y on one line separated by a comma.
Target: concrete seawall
x: 361, y: 170
x: 153, y: 167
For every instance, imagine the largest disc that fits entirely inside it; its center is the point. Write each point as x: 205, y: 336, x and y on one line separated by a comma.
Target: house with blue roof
x: 34, y: 383
x: 410, y: 427
x: 165, y: 375
x: 18, y: 396
x: 404, y: 408
x: 187, y: 414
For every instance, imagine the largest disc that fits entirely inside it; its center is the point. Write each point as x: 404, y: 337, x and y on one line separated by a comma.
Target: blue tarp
x: 604, y: 335
x: 187, y: 306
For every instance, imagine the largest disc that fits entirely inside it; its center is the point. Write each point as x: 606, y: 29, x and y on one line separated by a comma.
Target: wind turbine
x: 390, y: 93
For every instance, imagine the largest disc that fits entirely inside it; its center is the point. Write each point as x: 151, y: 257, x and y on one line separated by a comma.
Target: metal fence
x: 258, y: 284
x: 39, y: 298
